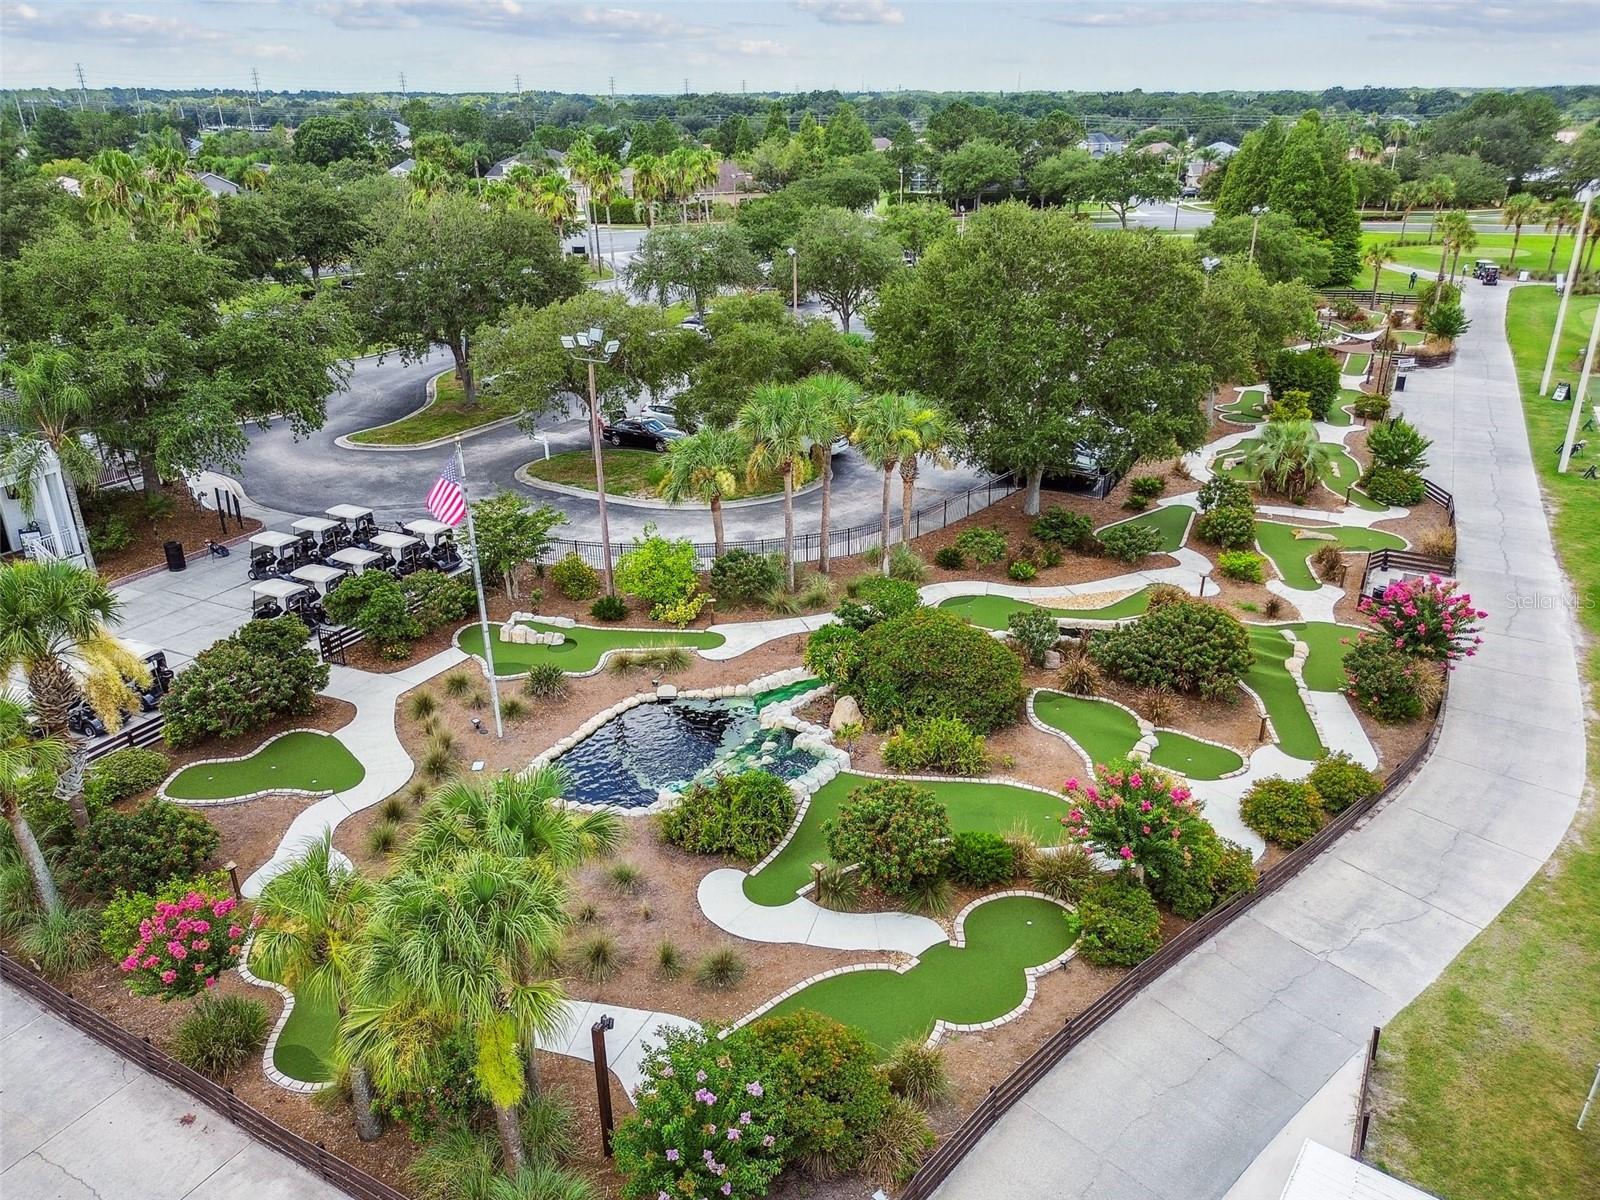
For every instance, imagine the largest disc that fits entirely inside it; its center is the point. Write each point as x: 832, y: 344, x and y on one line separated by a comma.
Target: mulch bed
x: 188, y: 523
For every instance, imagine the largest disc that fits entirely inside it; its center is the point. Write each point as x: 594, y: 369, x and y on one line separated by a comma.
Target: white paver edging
x: 268, y: 1068
x: 600, y: 663
x: 161, y: 791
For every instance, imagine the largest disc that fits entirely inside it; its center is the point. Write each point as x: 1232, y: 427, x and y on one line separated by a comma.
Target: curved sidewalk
x: 1176, y: 1094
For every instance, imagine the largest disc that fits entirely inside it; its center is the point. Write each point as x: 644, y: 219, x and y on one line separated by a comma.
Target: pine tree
x: 1251, y: 171
x: 1300, y: 186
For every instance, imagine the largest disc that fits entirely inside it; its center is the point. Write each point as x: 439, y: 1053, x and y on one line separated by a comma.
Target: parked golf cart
x: 319, y: 537
x: 356, y: 560
x: 404, y: 550
x: 273, y: 553
x: 141, y: 697
x: 438, y: 540
x: 279, y: 597
x: 322, y: 578
x: 357, y: 521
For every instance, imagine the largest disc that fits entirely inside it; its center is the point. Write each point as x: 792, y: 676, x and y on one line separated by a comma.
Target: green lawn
x: 1324, y: 668
x: 628, y: 472
x: 1356, y: 364
x: 1409, y: 337
x: 1104, y: 730
x: 1505, y: 1039
x: 1290, y: 554
x: 962, y: 985
x: 1533, y: 253
x: 1170, y: 522
x: 1191, y: 757
x: 583, y: 648
x: 1250, y: 407
x: 989, y: 807
x: 994, y: 612
x: 1269, y: 678
x: 448, y: 414
x: 1339, y: 472
x: 307, y: 762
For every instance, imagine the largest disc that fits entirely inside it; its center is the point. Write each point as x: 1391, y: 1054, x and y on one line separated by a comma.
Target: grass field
x: 1533, y: 253
x: 1356, y: 364
x: 447, y: 415
x: 1505, y: 1039
x: 994, y: 612
x: 584, y: 646
x: 306, y: 762
x: 1269, y: 678
x: 964, y: 985
x: 1291, y: 555
x: 989, y: 807
x: 628, y: 472
x: 1170, y: 522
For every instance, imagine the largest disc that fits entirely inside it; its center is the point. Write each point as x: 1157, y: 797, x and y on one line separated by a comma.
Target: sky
x: 790, y: 45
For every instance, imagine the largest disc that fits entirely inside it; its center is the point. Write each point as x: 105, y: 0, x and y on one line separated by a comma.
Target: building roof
x: 403, y: 167
x: 1102, y: 139
x: 500, y: 168
x: 1323, y: 1174
x: 1223, y: 148
x: 1157, y: 148
x: 218, y: 185
x: 881, y: 143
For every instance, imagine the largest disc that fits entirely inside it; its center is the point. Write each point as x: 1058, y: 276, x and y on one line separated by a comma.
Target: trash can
x: 175, y: 558
x: 1399, y: 383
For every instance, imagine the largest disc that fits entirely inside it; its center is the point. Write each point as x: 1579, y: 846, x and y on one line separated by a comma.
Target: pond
x: 633, y: 756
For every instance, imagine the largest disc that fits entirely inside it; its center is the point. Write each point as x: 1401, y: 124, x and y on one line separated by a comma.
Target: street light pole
x: 602, y: 1079
x: 1578, y: 396
x: 590, y: 346
x: 1566, y: 292
x: 794, y: 276
x: 1255, y: 223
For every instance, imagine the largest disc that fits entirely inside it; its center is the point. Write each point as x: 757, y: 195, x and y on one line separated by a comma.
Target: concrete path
x: 636, y: 1031
x: 80, y: 1122
x: 806, y: 923
x: 1176, y: 1095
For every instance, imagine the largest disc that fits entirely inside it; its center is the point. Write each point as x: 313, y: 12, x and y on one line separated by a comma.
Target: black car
x: 648, y: 432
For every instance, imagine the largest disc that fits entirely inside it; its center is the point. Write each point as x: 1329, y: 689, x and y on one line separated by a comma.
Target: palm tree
x: 312, y: 915
x: 1398, y: 134
x: 521, y: 185
x: 520, y: 816
x: 190, y: 210
x: 452, y: 945
x: 165, y: 164
x: 835, y: 399
x: 1454, y: 227
x: 1560, y: 215
x: 1288, y: 457
x: 705, y: 466
x: 885, y: 430
x: 605, y: 185
x: 649, y: 183
x: 46, y: 406
x: 115, y: 188
x: 24, y: 755
x: 1463, y: 240
x: 934, y: 435
x: 1516, y: 212
x: 428, y: 180
x: 705, y: 168
x: 55, y: 621
x: 1375, y: 257
x: 682, y: 169
x: 780, y: 426
x: 583, y: 162
x: 1441, y: 190
x: 1409, y: 197
x: 554, y: 200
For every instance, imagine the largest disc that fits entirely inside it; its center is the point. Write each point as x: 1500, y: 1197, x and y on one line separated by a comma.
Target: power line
x: 83, y: 91
x: 255, y: 78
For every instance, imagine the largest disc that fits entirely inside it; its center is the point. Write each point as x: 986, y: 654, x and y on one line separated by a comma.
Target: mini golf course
x: 1106, y: 731
x: 583, y: 648
x: 303, y: 761
x: 993, y: 612
x: 1324, y: 667
x: 1269, y: 678
x: 1249, y: 409
x: 304, y: 1050
x: 1291, y: 555
x: 966, y: 985
x: 1356, y: 364
x: 987, y: 807
x: 1171, y: 522
x: 1338, y: 473
x: 1191, y: 757
x: 1338, y: 411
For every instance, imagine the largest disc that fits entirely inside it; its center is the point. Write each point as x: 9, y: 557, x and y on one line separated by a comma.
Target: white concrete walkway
x: 722, y: 900
x: 636, y: 1031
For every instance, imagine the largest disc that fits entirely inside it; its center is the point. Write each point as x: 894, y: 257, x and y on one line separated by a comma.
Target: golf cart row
x: 85, y: 723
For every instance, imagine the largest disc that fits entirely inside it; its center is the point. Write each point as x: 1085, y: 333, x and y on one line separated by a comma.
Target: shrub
x: 1341, y: 782
x: 544, y: 680
x: 1395, y: 488
x: 1399, y: 444
x: 1447, y: 321
x: 1222, y: 491
x: 681, y: 612
x: 513, y: 708
x: 598, y: 957
x: 261, y: 673
x: 62, y: 941
x: 141, y: 850
x: 1272, y: 608
x: 930, y: 896
x: 1035, y: 632
x: 124, y: 773
x: 742, y: 815
x: 906, y: 565
x: 917, y: 1072
x: 838, y: 888
x: 658, y: 569
x: 899, y: 1143
x: 1437, y: 543
x: 109, y: 534
x: 609, y: 608
x: 1129, y: 542
x: 981, y: 860
x: 1064, y: 875
x: 740, y: 578
x: 1080, y: 674
x: 1121, y: 926
x: 1232, y: 528
x: 1188, y: 645
x: 382, y: 837
x: 1314, y: 372
x: 625, y: 878
x: 983, y: 546
x: 931, y: 663
x: 721, y: 969
x: 1382, y: 679
x: 1371, y: 408
x: 665, y: 659
x: 184, y: 946
x: 1062, y: 527
x: 1282, y: 810
x: 119, y: 920
x: 421, y: 705
x: 1427, y: 618
x: 1022, y: 571
x: 574, y: 578
x: 1328, y: 561
x: 1295, y: 406
x: 828, y: 1075
x: 1147, y: 487
x: 944, y: 745
x: 896, y: 831
x: 669, y: 960
x: 1133, y: 814
x: 950, y: 559
x: 375, y: 603
x: 220, y: 1033
x: 692, y: 1093
x: 833, y: 653
x: 1212, y: 870
x: 1243, y: 565
x: 440, y: 599
x: 876, y: 598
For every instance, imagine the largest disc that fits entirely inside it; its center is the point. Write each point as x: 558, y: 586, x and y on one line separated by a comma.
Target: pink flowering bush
x: 184, y: 944
x: 708, y: 1123
x: 1133, y: 814
x: 1427, y: 618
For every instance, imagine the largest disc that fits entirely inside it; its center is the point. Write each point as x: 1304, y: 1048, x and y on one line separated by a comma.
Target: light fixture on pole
x: 1255, y: 223
x: 591, y: 346
x: 794, y: 276
x: 1587, y: 195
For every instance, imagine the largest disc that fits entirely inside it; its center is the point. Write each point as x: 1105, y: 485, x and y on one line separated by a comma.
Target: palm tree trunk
x: 44, y: 886
x: 531, y: 1081
x: 1404, y: 217
x: 505, y: 1123
x: 1444, y: 255
x: 1376, y: 271
x: 716, y: 523
x: 788, y: 522
x: 827, y: 501
x: 908, y: 485
x: 1550, y: 267
x: 883, y: 534
x: 52, y: 691
x: 1516, y: 236
x: 368, y: 1128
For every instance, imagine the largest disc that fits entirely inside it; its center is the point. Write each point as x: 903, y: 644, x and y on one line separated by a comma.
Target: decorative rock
x: 667, y: 691
x: 560, y: 622
x: 1052, y: 660
x: 845, y: 712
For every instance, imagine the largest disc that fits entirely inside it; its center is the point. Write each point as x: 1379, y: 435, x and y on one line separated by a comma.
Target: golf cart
x: 1490, y: 277
x: 142, y: 698
x: 357, y: 522
x: 438, y: 540
x: 279, y: 597
x: 320, y: 577
x: 1482, y: 265
x: 319, y: 537
x: 273, y: 553
x: 356, y: 560
x: 404, y: 550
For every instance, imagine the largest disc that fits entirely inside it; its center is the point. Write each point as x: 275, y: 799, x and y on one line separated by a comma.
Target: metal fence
x: 1358, y: 1139
x: 1364, y: 296
x: 351, y: 1180
x: 842, y: 543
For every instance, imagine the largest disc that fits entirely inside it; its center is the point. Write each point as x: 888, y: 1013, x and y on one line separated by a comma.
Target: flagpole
x: 483, y: 607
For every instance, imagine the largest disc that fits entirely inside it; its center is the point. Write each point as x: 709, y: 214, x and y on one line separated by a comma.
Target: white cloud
x: 761, y: 48
x: 853, y: 12
x: 118, y: 28
x: 1408, y: 17
x: 512, y: 17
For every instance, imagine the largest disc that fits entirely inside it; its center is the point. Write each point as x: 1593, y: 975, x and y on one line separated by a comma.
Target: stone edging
x: 299, y: 1086
x: 1148, y: 733
x: 344, y: 443
x: 957, y: 939
x: 522, y: 476
x: 161, y: 791
x: 600, y: 664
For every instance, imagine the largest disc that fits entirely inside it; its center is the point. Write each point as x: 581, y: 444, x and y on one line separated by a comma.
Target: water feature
x: 632, y: 757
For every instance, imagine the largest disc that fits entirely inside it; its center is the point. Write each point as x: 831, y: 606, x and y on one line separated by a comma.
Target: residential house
x: 218, y: 185
x: 403, y: 168
x: 1100, y: 144
x: 44, y: 529
x: 402, y: 134
x: 1157, y: 149
x: 881, y: 144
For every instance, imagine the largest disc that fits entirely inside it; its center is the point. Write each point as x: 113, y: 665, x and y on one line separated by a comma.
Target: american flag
x: 446, y: 501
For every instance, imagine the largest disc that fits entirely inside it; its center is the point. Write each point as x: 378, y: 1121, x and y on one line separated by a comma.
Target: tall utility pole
x: 518, y: 80
x: 255, y: 78
x: 686, y: 85
x: 402, y: 85
x: 612, y: 81
x: 83, y: 91
x: 21, y: 120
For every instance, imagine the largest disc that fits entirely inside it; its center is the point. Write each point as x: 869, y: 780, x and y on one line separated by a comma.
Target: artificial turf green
x: 987, y: 807
x: 305, y: 1047
x: 584, y: 645
x: 1250, y: 407
x: 993, y: 612
x: 1356, y: 364
x: 1338, y: 473
x: 1191, y: 757
x: 1324, y: 668
x: 304, y: 761
x: 1269, y: 678
x: 1104, y: 730
x: 1171, y: 522
x: 961, y: 985
x: 1292, y: 555
x: 1338, y: 411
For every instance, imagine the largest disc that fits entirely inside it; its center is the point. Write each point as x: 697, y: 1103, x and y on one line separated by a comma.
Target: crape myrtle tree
x: 446, y: 269
x: 1043, y: 338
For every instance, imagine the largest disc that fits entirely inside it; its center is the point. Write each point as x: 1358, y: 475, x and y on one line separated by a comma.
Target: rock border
x: 161, y: 789
x: 573, y: 623
x: 287, y: 1083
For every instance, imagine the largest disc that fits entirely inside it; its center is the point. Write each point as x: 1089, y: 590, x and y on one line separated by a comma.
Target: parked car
x: 648, y: 432
x: 661, y: 411
x: 1189, y: 192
